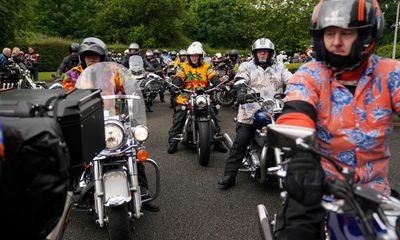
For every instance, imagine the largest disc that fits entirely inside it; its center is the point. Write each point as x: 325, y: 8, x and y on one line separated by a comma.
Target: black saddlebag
x: 79, y: 114
x: 33, y: 177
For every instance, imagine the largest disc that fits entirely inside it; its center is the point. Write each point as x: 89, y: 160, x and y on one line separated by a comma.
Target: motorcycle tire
x: 118, y: 223
x: 203, y: 143
x: 225, y: 98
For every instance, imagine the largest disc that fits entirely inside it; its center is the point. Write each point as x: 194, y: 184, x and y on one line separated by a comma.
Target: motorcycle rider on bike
x: 265, y: 76
x: 70, y: 61
x: 182, y: 57
x: 93, y: 50
x: 348, y: 95
x: 133, y: 49
x: 191, y: 75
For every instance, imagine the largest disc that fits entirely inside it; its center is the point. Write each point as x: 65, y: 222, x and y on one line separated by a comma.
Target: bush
x: 292, y: 67
x: 387, y: 51
x: 51, y: 52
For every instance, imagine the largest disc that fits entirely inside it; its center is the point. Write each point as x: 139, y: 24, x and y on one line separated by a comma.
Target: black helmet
x: 156, y: 52
x: 363, y: 15
x: 92, y: 44
x: 74, y: 47
x: 233, y: 55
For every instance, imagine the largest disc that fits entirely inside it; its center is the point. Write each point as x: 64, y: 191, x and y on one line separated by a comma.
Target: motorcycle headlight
x: 140, y: 133
x: 201, y: 101
x: 114, y: 136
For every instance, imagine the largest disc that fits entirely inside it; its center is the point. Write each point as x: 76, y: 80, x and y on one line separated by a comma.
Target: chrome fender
x: 116, y: 188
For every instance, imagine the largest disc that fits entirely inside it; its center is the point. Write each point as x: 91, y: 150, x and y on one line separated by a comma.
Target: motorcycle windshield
x: 117, y: 87
x: 136, y: 63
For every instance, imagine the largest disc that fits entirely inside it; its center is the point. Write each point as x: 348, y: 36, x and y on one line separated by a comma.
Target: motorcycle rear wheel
x: 118, y: 223
x: 203, y: 142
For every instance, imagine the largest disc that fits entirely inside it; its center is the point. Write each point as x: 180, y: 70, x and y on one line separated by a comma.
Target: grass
x: 46, y: 76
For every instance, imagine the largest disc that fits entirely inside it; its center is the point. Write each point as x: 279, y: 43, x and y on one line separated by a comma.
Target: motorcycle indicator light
x: 140, y: 133
x: 201, y: 101
x: 114, y: 136
x: 142, y: 155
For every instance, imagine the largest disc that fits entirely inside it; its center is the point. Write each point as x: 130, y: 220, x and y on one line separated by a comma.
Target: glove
x: 305, y: 178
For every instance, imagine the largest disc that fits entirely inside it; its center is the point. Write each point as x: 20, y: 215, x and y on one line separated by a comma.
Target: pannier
x: 79, y: 114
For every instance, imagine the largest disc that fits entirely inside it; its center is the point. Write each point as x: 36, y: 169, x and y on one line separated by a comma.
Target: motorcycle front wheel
x: 225, y: 98
x: 203, y: 142
x: 118, y: 223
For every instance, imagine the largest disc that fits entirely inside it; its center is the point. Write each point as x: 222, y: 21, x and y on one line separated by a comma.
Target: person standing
x: 32, y: 58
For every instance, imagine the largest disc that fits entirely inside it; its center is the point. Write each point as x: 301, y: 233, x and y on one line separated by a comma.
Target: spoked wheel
x: 203, y: 142
x: 225, y: 98
x: 118, y: 223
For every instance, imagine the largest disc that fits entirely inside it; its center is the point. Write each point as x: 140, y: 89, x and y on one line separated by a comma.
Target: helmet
x: 134, y: 48
x: 92, y: 44
x: 149, y: 53
x: 173, y: 53
x: 233, y: 53
x: 164, y: 51
x: 196, y: 48
x: 364, y: 15
x: 263, y: 43
x: 74, y: 47
x: 218, y: 55
x: 156, y: 52
x: 182, y: 52
x: 283, y: 52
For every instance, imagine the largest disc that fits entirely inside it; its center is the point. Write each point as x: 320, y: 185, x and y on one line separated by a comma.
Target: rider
x: 282, y: 57
x: 265, y: 76
x: 348, y: 95
x: 181, y: 58
x: 93, y: 50
x: 69, y: 61
x: 132, y: 50
x: 234, y: 60
x: 191, y: 75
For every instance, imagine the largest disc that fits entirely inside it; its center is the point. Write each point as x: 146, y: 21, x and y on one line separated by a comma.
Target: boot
x: 227, y: 181
x: 173, y: 147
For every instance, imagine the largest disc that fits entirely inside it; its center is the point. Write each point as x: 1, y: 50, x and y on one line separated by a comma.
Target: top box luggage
x: 79, y: 114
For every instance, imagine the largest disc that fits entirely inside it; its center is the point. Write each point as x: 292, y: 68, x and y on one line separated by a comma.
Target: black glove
x: 305, y: 178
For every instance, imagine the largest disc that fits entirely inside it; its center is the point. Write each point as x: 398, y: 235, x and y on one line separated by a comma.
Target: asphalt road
x: 192, y: 205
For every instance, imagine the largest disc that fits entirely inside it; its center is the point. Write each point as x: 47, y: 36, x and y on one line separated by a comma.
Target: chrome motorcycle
x: 353, y: 211
x: 150, y: 83
x: 259, y: 155
x: 17, y: 75
x: 109, y: 184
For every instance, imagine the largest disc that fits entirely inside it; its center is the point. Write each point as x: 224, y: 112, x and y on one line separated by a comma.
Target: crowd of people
x: 341, y: 77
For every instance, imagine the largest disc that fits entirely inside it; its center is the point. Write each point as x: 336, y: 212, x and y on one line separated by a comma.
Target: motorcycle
x: 199, y: 129
x: 17, y: 75
x: 149, y: 83
x: 259, y: 155
x: 108, y: 185
x: 227, y: 96
x: 354, y: 212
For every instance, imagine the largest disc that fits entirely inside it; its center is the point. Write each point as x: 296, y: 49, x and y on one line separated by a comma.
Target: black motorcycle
x: 17, y: 75
x: 199, y: 129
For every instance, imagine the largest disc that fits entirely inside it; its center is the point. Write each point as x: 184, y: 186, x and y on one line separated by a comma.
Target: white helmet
x: 263, y: 43
x: 134, y: 46
x: 195, y: 49
x: 182, y: 52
